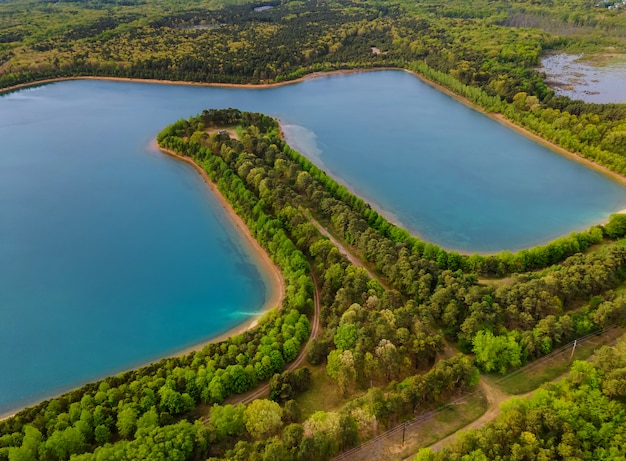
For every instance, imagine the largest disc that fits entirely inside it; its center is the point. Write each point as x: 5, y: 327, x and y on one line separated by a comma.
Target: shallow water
x: 569, y: 76
x: 112, y: 254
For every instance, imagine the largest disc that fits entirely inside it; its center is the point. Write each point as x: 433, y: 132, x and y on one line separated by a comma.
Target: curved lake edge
x: 219, y: 195
x: 496, y: 116
x: 269, y: 271
x: 247, y: 86
x: 500, y: 118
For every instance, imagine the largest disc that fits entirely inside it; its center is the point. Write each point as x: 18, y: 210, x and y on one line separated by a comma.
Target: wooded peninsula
x: 395, y: 332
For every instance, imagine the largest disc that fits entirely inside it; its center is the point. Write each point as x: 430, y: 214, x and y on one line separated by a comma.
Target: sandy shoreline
x: 274, y: 276
x: 524, y: 131
x: 270, y: 273
x: 249, y: 86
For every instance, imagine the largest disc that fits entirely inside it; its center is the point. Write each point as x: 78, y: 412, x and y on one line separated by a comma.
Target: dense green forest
x: 580, y: 417
x: 389, y: 353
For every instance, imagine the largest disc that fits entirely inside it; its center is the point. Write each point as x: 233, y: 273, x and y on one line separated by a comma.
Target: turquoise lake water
x: 112, y: 254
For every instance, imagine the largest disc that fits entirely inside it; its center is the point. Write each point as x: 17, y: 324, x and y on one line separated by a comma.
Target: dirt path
x: 494, y: 398
x: 343, y: 250
x: 264, y: 389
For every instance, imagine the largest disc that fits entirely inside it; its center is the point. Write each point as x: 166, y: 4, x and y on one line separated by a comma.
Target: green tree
x: 102, y: 434
x: 388, y: 356
x: 341, y: 368
x: 496, y: 353
x: 346, y: 336
x: 263, y: 418
x: 29, y: 449
x: 227, y: 420
x: 127, y: 421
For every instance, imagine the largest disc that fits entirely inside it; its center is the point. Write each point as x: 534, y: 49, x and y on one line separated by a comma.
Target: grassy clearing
x: 324, y: 394
x: 449, y: 420
x: 544, y: 370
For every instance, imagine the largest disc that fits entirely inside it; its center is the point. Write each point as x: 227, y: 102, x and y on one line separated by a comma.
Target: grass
x: 324, y: 394
x: 550, y: 368
x: 420, y: 435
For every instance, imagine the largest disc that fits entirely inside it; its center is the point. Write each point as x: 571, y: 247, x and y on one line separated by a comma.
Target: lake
x: 113, y: 255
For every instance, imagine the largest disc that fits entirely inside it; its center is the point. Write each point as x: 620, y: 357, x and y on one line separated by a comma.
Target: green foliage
x: 227, y: 421
x: 263, y: 418
x: 616, y: 227
x: 496, y: 353
x: 288, y: 384
x: 127, y: 422
x: 578, y: 418
x: 346, y: 336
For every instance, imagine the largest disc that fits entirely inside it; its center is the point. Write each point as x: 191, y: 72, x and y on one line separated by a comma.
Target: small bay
x: 113, y: 254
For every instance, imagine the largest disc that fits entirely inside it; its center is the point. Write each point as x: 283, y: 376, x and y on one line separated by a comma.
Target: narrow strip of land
x: 262, y: 390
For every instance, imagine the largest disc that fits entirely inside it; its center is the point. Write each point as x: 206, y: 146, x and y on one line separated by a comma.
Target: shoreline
x: 387, y: 215
x: 247, y: 86
x: 270, y: 274
x: 500, y: 118
x: 277, y: 286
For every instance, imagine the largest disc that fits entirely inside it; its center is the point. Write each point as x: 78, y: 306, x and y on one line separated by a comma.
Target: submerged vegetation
x: 394, y: 346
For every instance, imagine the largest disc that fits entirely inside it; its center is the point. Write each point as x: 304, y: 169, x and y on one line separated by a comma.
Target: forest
x: 430, y: 324
x: 391, y: 353
x: 580, y: 417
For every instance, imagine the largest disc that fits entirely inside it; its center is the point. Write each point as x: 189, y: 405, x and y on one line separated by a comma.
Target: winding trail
x: 263, y: 390
x: 354, y: 260
x: 495, y: 397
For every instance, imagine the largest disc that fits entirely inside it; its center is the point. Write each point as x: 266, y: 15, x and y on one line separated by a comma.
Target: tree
x: 497, y: 353
x: 263, y: 418
x: 346, y: 336
x: 62, y: 444
x: 30, y: 445
x: 102, y: 434
x: 148, y: 420
x: 292, y: 435
x: 341, y: 368
x: 316, y: 351
x: 127, y: 421
x: 227, y: 420
x: 616, y: 227
x: 275, y: 450
x: 388, y: 356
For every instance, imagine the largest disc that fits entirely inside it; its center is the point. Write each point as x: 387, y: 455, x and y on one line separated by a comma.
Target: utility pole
x: 573, y: 349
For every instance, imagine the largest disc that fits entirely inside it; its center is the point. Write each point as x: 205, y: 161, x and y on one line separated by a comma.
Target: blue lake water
x: 112, y: 254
